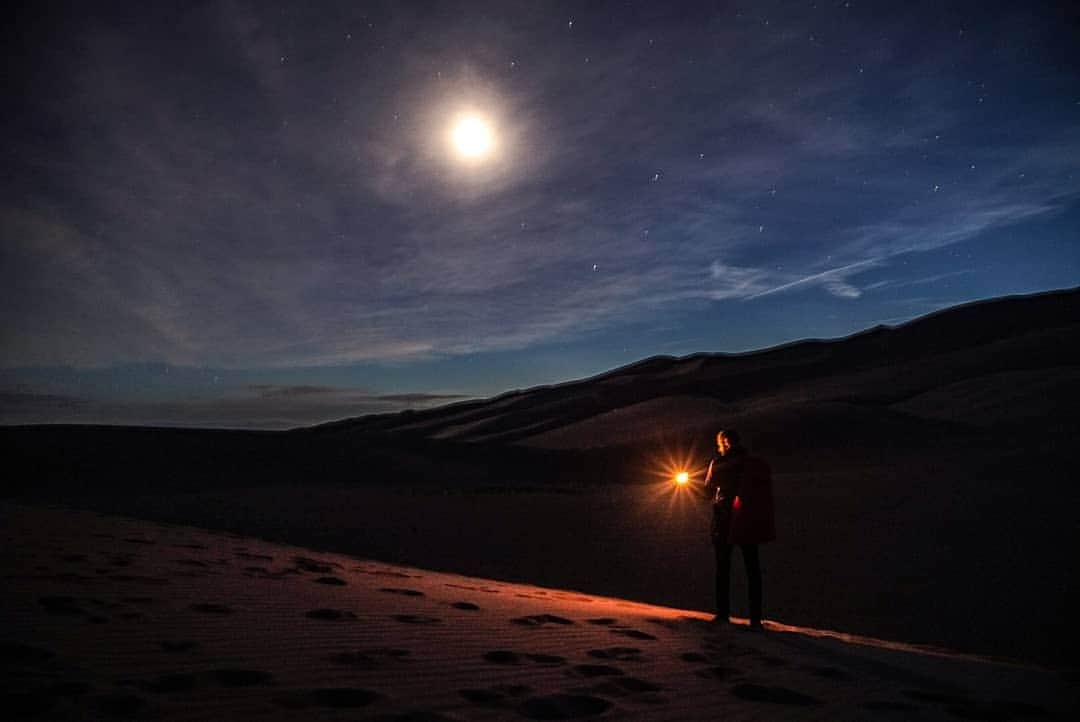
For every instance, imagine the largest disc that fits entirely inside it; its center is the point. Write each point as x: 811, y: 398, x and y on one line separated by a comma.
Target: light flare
x: 676, y: 476
x: 472, y: 137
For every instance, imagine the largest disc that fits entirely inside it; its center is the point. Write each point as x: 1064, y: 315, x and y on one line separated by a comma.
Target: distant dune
x: 1001, y: 362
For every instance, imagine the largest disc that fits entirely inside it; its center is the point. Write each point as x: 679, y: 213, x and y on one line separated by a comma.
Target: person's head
x: 727, y: 440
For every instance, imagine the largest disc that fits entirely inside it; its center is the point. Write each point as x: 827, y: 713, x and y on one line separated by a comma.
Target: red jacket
x: 740, y: 489
x: 752, y: 515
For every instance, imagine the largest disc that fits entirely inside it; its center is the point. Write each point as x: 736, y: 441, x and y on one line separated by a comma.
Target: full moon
x: 472, y: 137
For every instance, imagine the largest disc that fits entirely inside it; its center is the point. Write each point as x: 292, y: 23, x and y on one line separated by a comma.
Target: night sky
x: 266, y: 214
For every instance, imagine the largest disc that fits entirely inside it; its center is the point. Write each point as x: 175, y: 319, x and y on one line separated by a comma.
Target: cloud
x: 264, y: 406
x: 282, y: 197
x: 735, y: 282
x: 833, y: 280
x: 16, y: 403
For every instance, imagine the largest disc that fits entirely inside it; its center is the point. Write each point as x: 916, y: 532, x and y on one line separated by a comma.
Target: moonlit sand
x: 112, y: 617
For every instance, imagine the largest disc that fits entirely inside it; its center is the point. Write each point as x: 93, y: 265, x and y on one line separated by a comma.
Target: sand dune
x: 109, y: 617
x: 990, y: 340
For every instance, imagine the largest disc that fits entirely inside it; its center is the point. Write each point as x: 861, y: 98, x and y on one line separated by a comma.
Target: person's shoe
x: 756, y: 626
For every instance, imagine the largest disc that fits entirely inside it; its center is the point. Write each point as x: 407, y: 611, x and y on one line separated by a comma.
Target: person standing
x: 739, y: 486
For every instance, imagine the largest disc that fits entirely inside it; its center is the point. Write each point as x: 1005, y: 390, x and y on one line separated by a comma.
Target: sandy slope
x: 115, y: 617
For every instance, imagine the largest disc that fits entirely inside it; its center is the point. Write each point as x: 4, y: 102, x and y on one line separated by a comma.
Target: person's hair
x: 732, y: 436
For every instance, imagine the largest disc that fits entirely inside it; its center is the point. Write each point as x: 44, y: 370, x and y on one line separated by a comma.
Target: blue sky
x: 249, y: 214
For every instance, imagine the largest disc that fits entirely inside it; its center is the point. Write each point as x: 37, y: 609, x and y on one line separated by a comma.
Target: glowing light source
x: 472, y: 137
x: 682, y: 477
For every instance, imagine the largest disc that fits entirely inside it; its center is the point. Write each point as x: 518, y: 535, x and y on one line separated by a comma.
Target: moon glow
x: 472, y: 137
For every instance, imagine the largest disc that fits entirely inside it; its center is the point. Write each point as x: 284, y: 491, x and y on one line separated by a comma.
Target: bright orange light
x: 682, y: 477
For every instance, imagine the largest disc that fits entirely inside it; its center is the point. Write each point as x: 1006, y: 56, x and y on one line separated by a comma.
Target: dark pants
x: 752, y: 563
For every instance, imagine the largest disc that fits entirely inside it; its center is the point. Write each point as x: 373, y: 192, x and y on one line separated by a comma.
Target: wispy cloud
x: 262, y: 406
x: 283, y: 196
x: 833, y: 280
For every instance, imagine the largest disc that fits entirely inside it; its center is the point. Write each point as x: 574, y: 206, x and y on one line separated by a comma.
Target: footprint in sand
x: 619, y: 654
x: 938, y: 697
x: 333, y: 697
x: 502, y: 656
x: 315, y: 566
x: 402, y: 592
x: 61, y: 606
x: 117, y: 705
x: 827, y: 672
x: 483, y: 697
x: 240, y: 677
x: 14, y: 654
x: 540, y: 620
x: 773, y: 695
x: 632, y: 633
x: 331, y: 581
x: 330, y: 614
x: 505, y: 656
x: 563, y: 706
x: 547, y: 660
x: 190, y: 562
x: 597, y: 670
x: 717, y: 672
x: 169, y: 645
x: 138, y: 579
x: 383, y: 573
x: 211, y: 608
x: 416, y: 619
x: 468, y: 606
x: 170, y: 684
x: 78, y: 578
